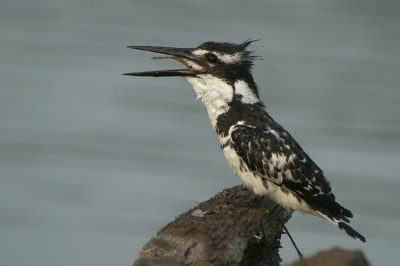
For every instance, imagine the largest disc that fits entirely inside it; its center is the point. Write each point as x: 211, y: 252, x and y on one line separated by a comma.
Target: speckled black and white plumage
x: 261, y: 152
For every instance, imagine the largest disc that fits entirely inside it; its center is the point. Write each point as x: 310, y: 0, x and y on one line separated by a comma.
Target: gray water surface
x: 93, y: 163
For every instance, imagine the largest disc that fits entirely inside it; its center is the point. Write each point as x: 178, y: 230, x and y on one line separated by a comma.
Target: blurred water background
x: 93, y: 163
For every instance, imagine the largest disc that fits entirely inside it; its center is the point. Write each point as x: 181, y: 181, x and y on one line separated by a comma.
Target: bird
x: 267, y: 159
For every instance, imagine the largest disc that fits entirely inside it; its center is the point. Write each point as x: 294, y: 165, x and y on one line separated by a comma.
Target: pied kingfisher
x: 261, y: 152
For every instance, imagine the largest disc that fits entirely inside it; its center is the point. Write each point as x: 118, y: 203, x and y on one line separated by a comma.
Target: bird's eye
x: 212, y: 58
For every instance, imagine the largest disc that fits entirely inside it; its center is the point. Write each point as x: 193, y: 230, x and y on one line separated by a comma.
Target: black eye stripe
x: 212, y: 58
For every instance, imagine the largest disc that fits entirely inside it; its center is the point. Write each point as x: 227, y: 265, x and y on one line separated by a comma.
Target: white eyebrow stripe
x: 226, y: 58
x: 200, y: 52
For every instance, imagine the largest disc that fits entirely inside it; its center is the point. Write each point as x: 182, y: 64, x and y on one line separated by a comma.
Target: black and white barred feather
x: 272, y: 155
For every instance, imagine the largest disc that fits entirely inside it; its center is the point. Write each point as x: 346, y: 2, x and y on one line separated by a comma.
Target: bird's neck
x: 220, y: 97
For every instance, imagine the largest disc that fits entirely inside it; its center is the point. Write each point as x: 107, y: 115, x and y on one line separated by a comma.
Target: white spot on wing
x: 288, y: 174
x: 277, y: 160
x: 275, y: 133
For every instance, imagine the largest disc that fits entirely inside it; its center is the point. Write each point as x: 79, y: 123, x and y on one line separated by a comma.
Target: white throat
x: 214, y: 92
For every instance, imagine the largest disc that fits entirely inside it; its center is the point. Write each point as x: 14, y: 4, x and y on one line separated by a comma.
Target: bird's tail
x: 327, y: 208
x: 350, y: 231
x: 342, y: 222
x: 342, y: 225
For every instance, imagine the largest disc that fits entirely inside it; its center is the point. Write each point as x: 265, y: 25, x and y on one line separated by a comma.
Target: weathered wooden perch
x: 232, y: 228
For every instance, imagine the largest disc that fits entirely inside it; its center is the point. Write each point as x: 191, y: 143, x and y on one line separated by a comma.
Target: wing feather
x: 271, y: 153
x: 275, y: 156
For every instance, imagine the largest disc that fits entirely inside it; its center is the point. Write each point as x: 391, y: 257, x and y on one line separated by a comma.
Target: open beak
x: 183, y: 55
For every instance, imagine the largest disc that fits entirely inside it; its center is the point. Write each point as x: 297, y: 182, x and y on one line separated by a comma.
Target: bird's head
x: 219, y: 72
x: 226, y: 61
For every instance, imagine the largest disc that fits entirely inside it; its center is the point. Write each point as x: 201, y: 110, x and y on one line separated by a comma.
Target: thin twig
x: 294, y: 244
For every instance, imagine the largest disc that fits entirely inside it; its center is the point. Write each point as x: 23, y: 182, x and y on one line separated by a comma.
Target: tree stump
x: 234, y: 227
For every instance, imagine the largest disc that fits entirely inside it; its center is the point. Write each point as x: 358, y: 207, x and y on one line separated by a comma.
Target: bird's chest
x: 239, y: 167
